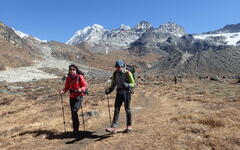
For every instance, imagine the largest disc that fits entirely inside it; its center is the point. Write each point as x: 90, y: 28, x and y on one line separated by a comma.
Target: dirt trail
x: 151, y: 108
x: 144, y: 111
x: 188, y: 115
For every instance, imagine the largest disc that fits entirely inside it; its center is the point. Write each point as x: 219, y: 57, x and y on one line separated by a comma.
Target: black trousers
x: 122, y: 96
x: 75, y: 104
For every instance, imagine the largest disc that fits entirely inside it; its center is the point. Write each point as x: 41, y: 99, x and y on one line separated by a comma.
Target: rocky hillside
x: 14, y: 50
x: 195, y: 54
x: 188, y: 55
x: 220, y: 62
x: 12, y: 56
x: 9, y: 35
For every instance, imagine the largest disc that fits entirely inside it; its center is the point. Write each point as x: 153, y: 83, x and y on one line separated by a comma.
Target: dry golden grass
x: 190, y: 115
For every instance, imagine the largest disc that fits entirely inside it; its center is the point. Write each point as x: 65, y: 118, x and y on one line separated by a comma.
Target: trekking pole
x: 109, y: 111
x: 83, y: 118
x: 64, y: 127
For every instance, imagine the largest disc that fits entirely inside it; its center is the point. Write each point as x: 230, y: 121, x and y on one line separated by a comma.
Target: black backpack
x: 132, y: 69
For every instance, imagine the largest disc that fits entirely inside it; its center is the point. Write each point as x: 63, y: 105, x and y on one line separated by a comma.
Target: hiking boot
x: 111, y: 130
x: 75, y: 132
x: 129, y: 129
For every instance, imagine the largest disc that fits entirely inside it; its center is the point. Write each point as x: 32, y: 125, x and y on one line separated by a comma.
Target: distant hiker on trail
x: 77, y: 86
x: 123, y: 79
x: 175, y: 79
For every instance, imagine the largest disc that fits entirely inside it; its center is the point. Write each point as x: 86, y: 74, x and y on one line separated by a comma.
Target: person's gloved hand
x: 126, y: 85
x: 107, y: 92
x: 61, y: 92
x: 79, y: 90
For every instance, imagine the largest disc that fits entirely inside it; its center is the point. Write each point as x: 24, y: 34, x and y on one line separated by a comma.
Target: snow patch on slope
x: 231, y: 38
x: 21, y: 34
x: 24, y: 36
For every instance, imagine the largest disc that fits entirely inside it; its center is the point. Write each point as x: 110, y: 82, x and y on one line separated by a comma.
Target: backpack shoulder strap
x: 127, y: 74
x: 78, y: 79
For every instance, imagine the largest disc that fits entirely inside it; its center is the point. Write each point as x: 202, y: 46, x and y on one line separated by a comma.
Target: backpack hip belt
x: 74, y: 91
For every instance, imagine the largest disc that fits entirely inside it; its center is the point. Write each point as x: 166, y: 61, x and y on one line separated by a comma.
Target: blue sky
x: 59, y: 19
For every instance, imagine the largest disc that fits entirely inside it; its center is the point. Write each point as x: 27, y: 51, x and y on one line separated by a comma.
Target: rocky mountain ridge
x: 194, y: 54
x: 26, y: 58
x: 9, y: 34
x: 175, y: 51
x: 231, y: 28
x: 104, y: 41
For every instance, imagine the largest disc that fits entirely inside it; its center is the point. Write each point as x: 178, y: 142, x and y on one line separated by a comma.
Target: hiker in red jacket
x: 77, y: 86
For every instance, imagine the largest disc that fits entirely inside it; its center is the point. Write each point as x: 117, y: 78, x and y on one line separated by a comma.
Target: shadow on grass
x: 52, y: 134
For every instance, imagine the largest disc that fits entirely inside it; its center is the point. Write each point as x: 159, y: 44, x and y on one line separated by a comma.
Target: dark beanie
x: 119, y: 64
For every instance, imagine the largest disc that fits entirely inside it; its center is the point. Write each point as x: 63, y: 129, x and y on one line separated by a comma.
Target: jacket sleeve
x: 113, y: 82
x: 83, y: 83
x: 131, y: 79
x: 66, y: 88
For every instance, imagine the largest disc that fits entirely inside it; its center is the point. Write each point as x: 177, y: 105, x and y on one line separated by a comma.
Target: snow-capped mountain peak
x: 143, y: 26
x: 93, y: 28
x: 124, y: 27
x: 97, y: 27
x: 92, y: 34
x: 21, y: 34
x: 121, y: 38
